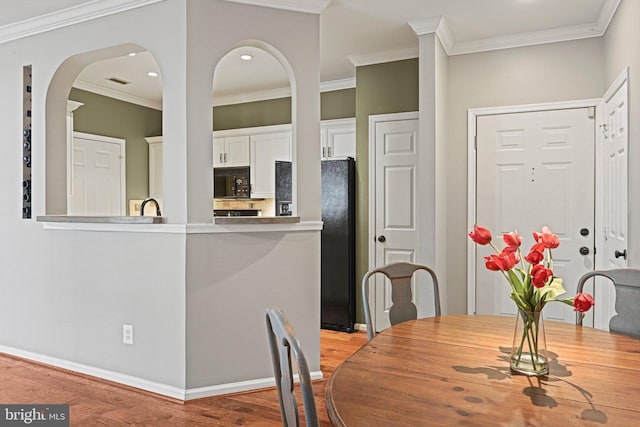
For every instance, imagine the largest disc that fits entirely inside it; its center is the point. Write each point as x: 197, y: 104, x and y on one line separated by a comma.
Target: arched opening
x: 101, y: 105
x: 254, y: 132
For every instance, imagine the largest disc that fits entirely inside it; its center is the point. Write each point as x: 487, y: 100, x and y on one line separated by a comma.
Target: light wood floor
x: 102, y: 403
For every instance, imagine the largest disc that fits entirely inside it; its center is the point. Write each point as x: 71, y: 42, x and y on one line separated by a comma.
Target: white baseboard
x: 360, y: 327
x: 129, y: 380
x: 216, y: 390
x: 152, y: 386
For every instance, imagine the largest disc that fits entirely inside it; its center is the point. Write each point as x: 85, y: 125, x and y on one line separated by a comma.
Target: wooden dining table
x: 454, y: 370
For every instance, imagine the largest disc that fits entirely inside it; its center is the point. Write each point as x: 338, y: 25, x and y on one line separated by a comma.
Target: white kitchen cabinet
x: 155, y: 166
x: 338, y: 138
x: 266, y: 148
x: 231, y: 151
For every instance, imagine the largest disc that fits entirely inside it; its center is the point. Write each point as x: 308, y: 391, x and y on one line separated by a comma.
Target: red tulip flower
x: 547, y: 238
x: 534, y: 257
x: 480, y: 235
x: 512, y: 239
x: 583, y: 302
x: 540, y: 275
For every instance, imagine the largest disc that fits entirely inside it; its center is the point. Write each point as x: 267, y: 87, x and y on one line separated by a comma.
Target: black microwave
x: 231, y: 183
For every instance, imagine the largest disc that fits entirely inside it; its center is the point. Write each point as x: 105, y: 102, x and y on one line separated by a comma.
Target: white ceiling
x: 353, y: 32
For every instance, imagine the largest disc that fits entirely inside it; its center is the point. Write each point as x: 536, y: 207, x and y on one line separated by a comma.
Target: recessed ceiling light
x: 132, y: 54
x: 246, y: 57
x: 152, y: 74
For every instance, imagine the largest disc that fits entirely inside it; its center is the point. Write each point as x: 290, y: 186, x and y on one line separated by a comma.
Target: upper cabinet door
x: 218, y: 152
x: 338, y: 138
x: 265, y: 150
x: 231, y: 151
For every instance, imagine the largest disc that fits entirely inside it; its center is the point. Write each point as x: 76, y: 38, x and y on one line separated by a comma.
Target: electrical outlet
x: 127, y: 334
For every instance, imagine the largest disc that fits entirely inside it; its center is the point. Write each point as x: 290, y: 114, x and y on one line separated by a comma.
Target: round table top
x: 453, y: 370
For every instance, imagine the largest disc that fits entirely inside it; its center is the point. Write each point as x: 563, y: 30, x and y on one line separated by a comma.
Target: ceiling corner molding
x: 111, y: 93
x: 306, y: 6
x: 426, y: 26
x: 609, y: 9
x: 380, y: 57
x: 437, y: 25
x: 341, y: 84
x: 69, y: 16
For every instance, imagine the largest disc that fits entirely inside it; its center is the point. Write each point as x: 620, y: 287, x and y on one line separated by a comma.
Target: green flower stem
x: 530, y: 334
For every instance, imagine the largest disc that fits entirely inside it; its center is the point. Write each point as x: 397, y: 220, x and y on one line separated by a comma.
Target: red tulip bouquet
x: 533, y: 285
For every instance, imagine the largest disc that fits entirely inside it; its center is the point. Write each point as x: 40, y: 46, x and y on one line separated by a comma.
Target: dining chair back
x: 627, y: 285
x: 400, y: 275
x: 285, y: 347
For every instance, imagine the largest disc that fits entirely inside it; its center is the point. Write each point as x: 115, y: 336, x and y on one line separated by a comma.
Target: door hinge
x: 592, y: 112
x: 475, y: 142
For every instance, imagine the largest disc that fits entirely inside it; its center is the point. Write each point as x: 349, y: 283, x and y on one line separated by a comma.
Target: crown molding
x: 576, y: 32
x: 69, y: 16
x: 526, y: 39
x: 116, y: 94
x: 437, y: 25
x: 306, y: 6
x: 386, y: 56
x: 341, y: 84
x: 609, y: 9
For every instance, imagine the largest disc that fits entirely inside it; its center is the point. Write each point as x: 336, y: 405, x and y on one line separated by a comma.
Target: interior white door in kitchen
x: 536, y: 169
x: 395, y: 190
x: 615, y: 142
x: 97, y: 176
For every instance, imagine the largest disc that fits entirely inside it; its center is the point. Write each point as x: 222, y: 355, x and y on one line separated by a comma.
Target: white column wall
x: 66, y: 294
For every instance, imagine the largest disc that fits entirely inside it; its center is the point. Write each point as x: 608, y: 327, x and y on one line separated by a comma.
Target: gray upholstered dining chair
x: 402, y: 309
x: 284, y: 344
x: 627, y: 286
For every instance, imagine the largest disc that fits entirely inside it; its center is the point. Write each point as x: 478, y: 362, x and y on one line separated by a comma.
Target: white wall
x: 66, y: 294
x: 621, y: 44
x: 545, y: 73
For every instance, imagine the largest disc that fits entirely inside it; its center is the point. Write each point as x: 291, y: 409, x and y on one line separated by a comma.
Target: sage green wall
x: 102, y: 115
x: 391, y: 87
x: 252, y: 114
x: 337, y: 104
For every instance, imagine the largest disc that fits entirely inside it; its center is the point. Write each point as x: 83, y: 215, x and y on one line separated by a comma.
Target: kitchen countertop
x: 101, y: 219
x: 256, y: 219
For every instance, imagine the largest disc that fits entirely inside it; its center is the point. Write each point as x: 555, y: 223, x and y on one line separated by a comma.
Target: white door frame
x: 373, y: 121
x: 100, y: 138
x: 471, y: 170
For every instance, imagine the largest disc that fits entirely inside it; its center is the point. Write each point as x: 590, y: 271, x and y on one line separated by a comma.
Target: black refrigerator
x: 338, y: 243
x: 338, y: 250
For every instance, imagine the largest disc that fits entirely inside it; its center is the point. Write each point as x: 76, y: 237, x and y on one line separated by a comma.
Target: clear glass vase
x: 529, y: 351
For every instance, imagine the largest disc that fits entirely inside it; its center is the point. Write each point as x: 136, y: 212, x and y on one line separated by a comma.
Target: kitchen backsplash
x: 267, y: 206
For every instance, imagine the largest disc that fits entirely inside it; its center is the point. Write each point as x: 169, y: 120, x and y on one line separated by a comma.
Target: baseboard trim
x: 146, y: 385
x: 238, y: 387
x: 128, y: 380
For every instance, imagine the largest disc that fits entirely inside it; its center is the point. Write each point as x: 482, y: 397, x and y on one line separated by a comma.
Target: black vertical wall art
x: 26, y: 142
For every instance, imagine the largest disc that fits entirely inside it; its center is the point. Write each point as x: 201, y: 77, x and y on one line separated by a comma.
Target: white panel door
x: 614, y: 201
x: 97, y: 182
x: 536, y: 169
x: 396, y: 162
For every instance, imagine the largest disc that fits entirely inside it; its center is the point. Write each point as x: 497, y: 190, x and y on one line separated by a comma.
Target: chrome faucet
x: 147, y: 200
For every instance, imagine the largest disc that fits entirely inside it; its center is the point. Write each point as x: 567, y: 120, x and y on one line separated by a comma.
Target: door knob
x: 382, y: 239
x: 622, y: 254
x: 584, y: 250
